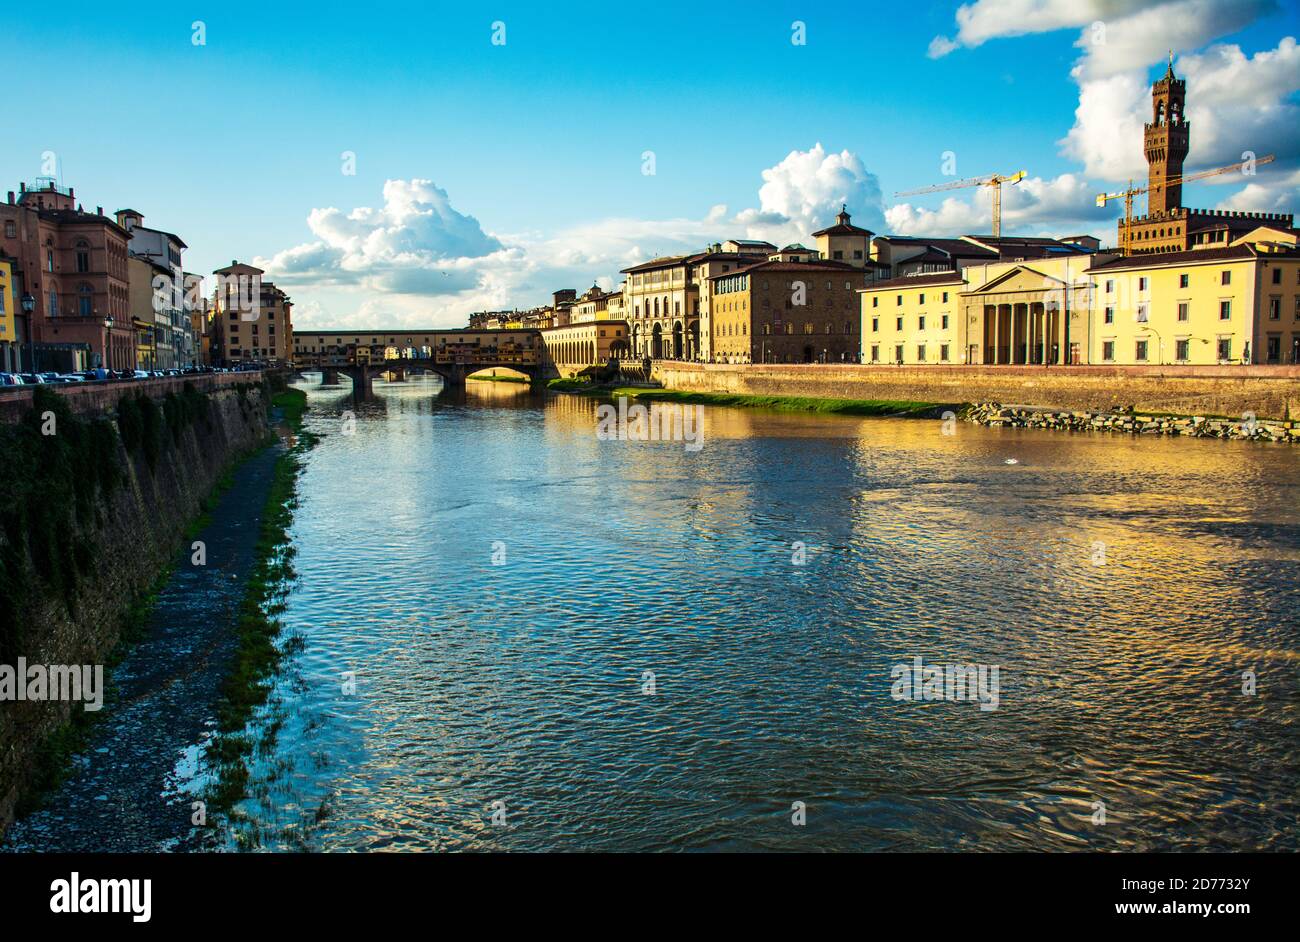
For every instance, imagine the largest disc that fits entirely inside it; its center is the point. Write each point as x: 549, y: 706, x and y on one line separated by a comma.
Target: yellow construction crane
x: 1132, y: 191
x: 994, y: 181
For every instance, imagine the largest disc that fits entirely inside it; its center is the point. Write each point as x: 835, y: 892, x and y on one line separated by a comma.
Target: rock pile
x: 1135, y: 423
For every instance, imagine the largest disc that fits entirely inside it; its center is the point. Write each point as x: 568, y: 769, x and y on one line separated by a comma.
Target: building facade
x: 787, y: 312
x: 573, y: 348
x: 251, y: 321
x: 10, y: 352
x: 1235, y: 304
x: 74, y: 265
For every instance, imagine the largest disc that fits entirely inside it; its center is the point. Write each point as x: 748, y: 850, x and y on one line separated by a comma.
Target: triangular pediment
x: 1020, y: 278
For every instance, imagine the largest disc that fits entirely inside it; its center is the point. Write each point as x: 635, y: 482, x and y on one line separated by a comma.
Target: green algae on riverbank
x: 257, y: 625
x: 857, y: 407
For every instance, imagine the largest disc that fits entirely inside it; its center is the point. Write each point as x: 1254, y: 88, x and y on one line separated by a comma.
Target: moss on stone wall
x: 58, y: 470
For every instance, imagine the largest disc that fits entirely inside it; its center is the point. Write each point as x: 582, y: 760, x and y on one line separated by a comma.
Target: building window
x: 1142, y: 283
x: 1277, y: 276
x: 1225, y: 349
x: 1274, y: 349
x: 1110, y: 286
x: 1274, y: 308
x: 921, y: 322
x: 1182, y: 348
x: 943, y: 352
x: 83, y: 256
x: 922, y: 299
x: 943, y: 322
x: 898, y: 353
x: 1226, y: 278
x: 875, y: 323
x: 899, y: 302
x: 1225, y: 310
x: 898, y: 323
x: 875, y: 353
x: 838, y: 255
x: 1109, y: 315
x: 54, y: 302
x: 11, y: 231
x: 1108, y: 350
x: 1142, y: 314
x: 920, y: 353
x: 1182, y: 310
x: 1140, y: 351
x: 85, y: 300
x: 1182, y: 281
x: 945, y: 297
x: 875, y: 302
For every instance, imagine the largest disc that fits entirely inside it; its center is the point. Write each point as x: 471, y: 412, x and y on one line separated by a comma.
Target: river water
x: 516, y: 636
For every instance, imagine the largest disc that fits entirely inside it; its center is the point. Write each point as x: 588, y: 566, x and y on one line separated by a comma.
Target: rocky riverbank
x: 1134, y: 423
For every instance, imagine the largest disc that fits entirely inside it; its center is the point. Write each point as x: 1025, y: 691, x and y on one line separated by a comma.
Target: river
x: 515, y: 636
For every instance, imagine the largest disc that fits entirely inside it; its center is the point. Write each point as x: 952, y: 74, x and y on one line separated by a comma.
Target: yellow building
x: 913, y: 320
x: 1233, y: 304
x: 577, y: 346
x: 1030, y: 311
x: 9, y: 352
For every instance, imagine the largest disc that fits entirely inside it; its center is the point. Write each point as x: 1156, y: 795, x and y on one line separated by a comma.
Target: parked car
x: 141, y: 374
x: 11, y: 379
x: 32, y: 378
x: 71, y: 378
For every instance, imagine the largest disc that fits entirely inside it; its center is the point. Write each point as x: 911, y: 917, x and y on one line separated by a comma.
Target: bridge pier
x: 329, y: 377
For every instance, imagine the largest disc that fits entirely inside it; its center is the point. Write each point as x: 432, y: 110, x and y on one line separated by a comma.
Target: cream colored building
x: 844, y: 242
x: 913, y: 320
x: 594, y: 343
x: 1024, y: 312
x: 250, y: 318
x: 1233, y: 304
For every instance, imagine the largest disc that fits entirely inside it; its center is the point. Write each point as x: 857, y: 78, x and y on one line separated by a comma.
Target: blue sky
x: 234, y: 143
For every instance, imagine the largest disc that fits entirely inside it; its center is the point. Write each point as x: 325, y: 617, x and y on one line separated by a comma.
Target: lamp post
x: 108, y: 343
x: 29, y: 307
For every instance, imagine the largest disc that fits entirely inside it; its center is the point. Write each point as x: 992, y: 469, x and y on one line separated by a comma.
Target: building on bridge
x: 465, y: 347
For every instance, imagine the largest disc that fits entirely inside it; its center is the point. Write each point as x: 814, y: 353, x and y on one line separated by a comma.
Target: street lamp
x: 29, y: 306
x: 108, y: 343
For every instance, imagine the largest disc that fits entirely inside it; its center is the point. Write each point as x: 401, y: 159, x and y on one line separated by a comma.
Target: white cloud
x: 1235, y: 104
x: 1115, y: 33
x: 1033, y: 205
x: 1278, y: 193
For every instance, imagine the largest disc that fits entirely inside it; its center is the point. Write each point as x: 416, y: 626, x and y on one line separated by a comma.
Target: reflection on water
x: 522, y: 683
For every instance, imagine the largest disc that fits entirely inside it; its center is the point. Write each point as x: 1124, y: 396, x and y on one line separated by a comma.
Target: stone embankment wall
x: 1196, y: 426
x: 71, y: 576
x: 1268, y: 392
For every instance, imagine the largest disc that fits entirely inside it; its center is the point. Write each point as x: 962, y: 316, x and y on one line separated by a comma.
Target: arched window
x: 85, y: 300
x: 83, y: 256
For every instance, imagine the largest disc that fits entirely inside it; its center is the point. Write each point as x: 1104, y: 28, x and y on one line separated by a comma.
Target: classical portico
x: 1019, y: 317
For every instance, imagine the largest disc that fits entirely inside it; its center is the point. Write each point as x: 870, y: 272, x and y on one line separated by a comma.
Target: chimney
x: 11, y: 197
x: 71, y: 193
x: 22, y: 187
x: 99, y: 210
